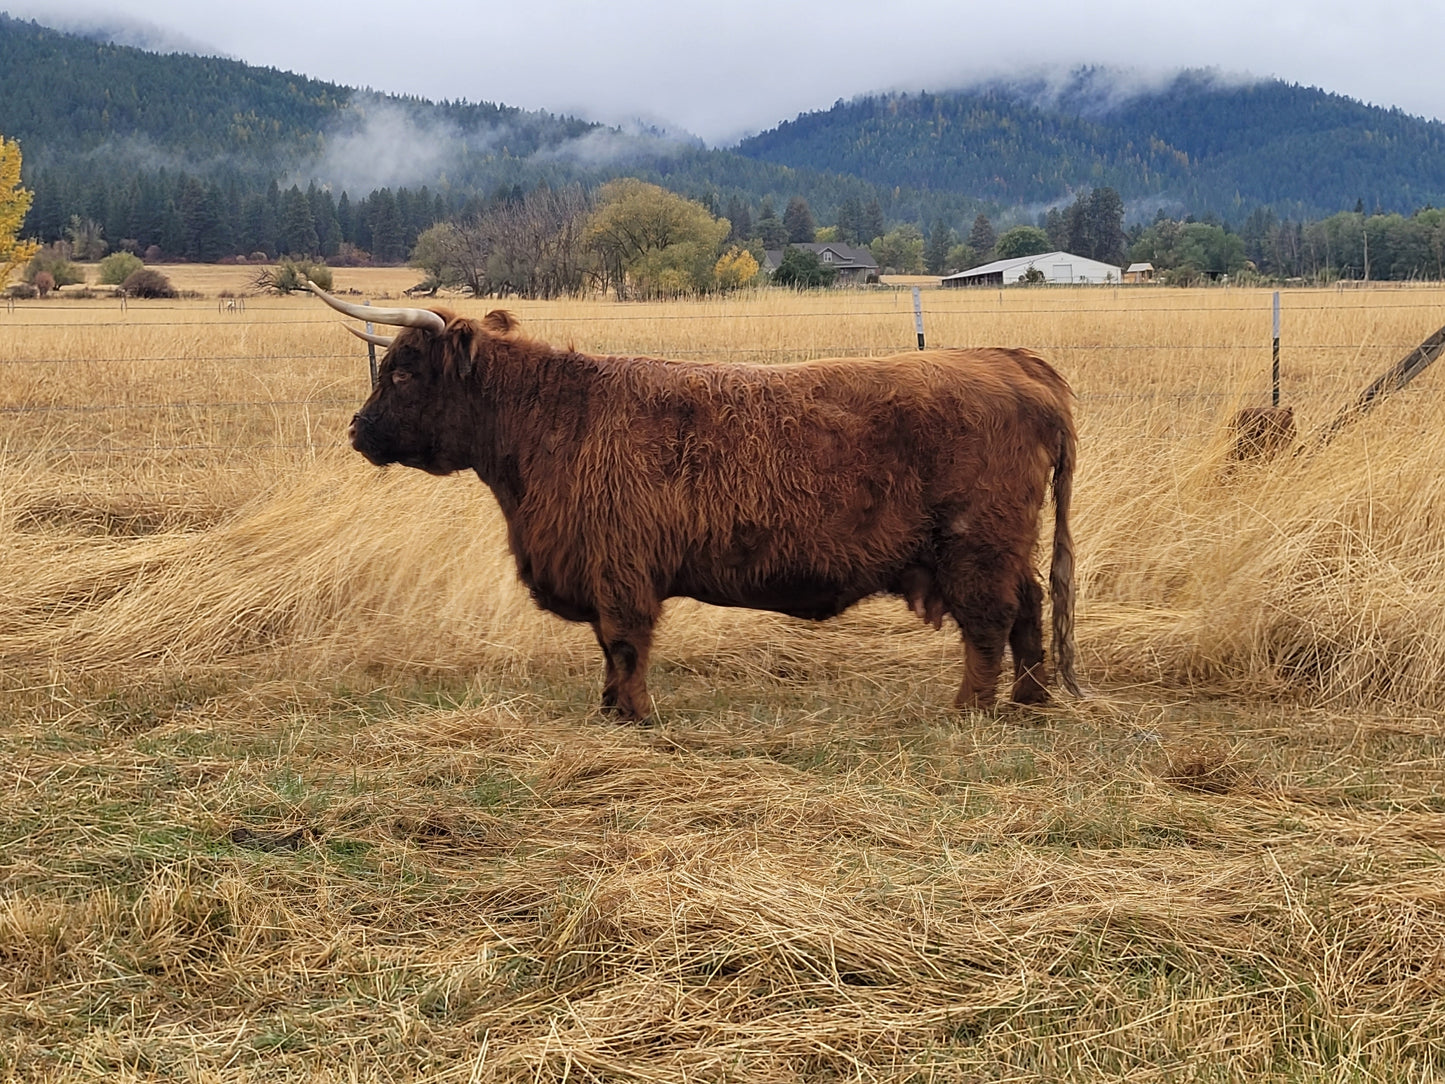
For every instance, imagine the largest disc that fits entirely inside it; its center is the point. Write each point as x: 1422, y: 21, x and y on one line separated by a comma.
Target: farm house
x: 852, y: 263
x: 1058, y: 268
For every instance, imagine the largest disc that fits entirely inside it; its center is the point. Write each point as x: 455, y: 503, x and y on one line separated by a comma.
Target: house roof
x: 1146, y: 266
x: 845, y: 257
x: 1082, y: 268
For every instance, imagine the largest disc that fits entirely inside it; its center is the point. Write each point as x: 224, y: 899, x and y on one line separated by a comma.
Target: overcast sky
x: 723, y: 70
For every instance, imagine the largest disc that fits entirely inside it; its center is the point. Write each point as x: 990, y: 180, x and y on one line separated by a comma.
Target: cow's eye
x: 400, y: 376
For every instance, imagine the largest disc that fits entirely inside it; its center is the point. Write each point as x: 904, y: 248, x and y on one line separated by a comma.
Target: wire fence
x: 268, y: 424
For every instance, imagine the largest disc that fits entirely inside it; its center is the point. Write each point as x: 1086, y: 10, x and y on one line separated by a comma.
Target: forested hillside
x: 1197, y: 143
x: 201, y: 156
x: 64, y: 97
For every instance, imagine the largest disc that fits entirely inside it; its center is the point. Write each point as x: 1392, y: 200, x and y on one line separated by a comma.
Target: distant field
x: 298, y: 784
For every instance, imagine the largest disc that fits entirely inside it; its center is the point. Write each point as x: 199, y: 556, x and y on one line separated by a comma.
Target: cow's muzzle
x: 360, y: 435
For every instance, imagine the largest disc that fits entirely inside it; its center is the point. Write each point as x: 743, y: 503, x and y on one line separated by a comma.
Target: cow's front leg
x: 609, y: 689
x: 627, y: 643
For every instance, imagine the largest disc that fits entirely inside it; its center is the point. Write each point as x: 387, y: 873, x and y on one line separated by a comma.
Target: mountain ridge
x: 1198, y: 143
x: 92, y: 113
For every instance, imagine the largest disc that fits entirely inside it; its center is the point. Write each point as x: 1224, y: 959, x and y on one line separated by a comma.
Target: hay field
x: 298, y: 785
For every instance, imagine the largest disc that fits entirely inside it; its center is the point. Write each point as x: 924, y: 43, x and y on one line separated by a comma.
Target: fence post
x: 1276, y: 349
x: 371, y: 347
x: 918, y: 314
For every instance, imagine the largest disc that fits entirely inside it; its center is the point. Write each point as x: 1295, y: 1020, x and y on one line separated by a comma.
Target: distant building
x: 852, y: 263
x: 1057, y: 268
x: 1139, y: 272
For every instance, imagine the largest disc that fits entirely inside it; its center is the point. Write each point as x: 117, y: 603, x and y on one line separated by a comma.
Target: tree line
x: 639, y: 239
x: 181, y: 216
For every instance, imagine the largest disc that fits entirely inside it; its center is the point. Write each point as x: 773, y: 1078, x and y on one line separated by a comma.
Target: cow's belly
x: 809, y: 597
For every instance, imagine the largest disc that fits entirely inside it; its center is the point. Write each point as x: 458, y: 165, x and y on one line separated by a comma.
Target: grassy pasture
x: 298, y: 785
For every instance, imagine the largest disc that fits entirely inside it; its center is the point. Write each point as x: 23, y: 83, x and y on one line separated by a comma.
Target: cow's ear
x: 458, y: 357
x: 500, y: 322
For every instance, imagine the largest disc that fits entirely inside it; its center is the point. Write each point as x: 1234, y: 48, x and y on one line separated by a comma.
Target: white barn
x: 1058, y: 268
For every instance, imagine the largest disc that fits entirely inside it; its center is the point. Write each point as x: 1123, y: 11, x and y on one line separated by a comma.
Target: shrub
x: 291, y: 275
x: 53, y: 260
x: 148, y: 282
x: 44, y: 282
x: 119, y: 266
x: 348, y: 255
x: 22, y: 291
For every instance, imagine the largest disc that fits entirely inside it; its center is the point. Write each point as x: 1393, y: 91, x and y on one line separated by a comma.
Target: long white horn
x: 384, y: 341
x: 422, y: 318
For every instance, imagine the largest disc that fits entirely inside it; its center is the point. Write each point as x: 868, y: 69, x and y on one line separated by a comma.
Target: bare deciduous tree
x: 532, y: 247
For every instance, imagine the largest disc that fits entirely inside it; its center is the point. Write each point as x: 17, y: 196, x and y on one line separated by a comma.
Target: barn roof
x: 1056, y: 267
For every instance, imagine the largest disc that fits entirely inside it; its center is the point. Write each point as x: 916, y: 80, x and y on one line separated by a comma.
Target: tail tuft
x: 1061, y: 571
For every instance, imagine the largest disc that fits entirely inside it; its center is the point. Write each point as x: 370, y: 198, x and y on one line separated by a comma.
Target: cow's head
x: 424, y: 410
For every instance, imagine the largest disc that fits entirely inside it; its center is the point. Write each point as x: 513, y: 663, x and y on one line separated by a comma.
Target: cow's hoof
x: 1032, y: 697
x: 617, y: 713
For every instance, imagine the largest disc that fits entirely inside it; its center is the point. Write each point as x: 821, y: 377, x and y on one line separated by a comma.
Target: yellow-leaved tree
x: 14, y: 203
x: 652, y: 242
x: 735, y: 268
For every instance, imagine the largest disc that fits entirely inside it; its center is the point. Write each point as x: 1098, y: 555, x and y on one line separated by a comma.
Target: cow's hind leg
x: 626, y: 643
x: 981, y: 593
x: 1026, y: 641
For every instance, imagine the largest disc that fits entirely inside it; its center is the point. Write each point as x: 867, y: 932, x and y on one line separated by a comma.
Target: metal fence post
x: 1276, y: 349
x: 371, y: 348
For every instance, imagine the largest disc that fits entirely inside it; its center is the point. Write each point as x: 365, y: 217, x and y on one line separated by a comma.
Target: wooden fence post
x: 1391, y: 380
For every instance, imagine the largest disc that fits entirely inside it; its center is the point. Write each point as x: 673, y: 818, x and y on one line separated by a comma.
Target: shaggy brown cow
x: 800, y: 488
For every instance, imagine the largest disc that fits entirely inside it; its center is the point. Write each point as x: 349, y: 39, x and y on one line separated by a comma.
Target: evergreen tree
x: 870, y: 228
x: 850, y: 220
x: 386, y: 237
x: 345, y: 220
x: 47, y: 208
x: 1078, y: 237
x: 298, y: 229
x: 258, y: 226
x: 205, y: 234
x: 1056, y: 229
x: 171, y: 235
x: 1105, y: 216
x: 935, y: 255
x: 798, y: 219
x: 981, y: 238
x: 1258, y: 234
x: 769, y: 227
x: 328, y: 229
x: 739, y: 219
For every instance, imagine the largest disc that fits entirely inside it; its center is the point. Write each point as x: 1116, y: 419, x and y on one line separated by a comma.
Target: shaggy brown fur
x: 799, y: 488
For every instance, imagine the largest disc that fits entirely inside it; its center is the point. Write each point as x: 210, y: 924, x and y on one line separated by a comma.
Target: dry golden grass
x: 221, y: 627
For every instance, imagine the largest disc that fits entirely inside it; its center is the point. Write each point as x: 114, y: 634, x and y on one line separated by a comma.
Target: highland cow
x: 799, y: 488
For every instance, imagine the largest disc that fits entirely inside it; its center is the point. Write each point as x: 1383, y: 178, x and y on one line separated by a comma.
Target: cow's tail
x: 1061, y: 571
